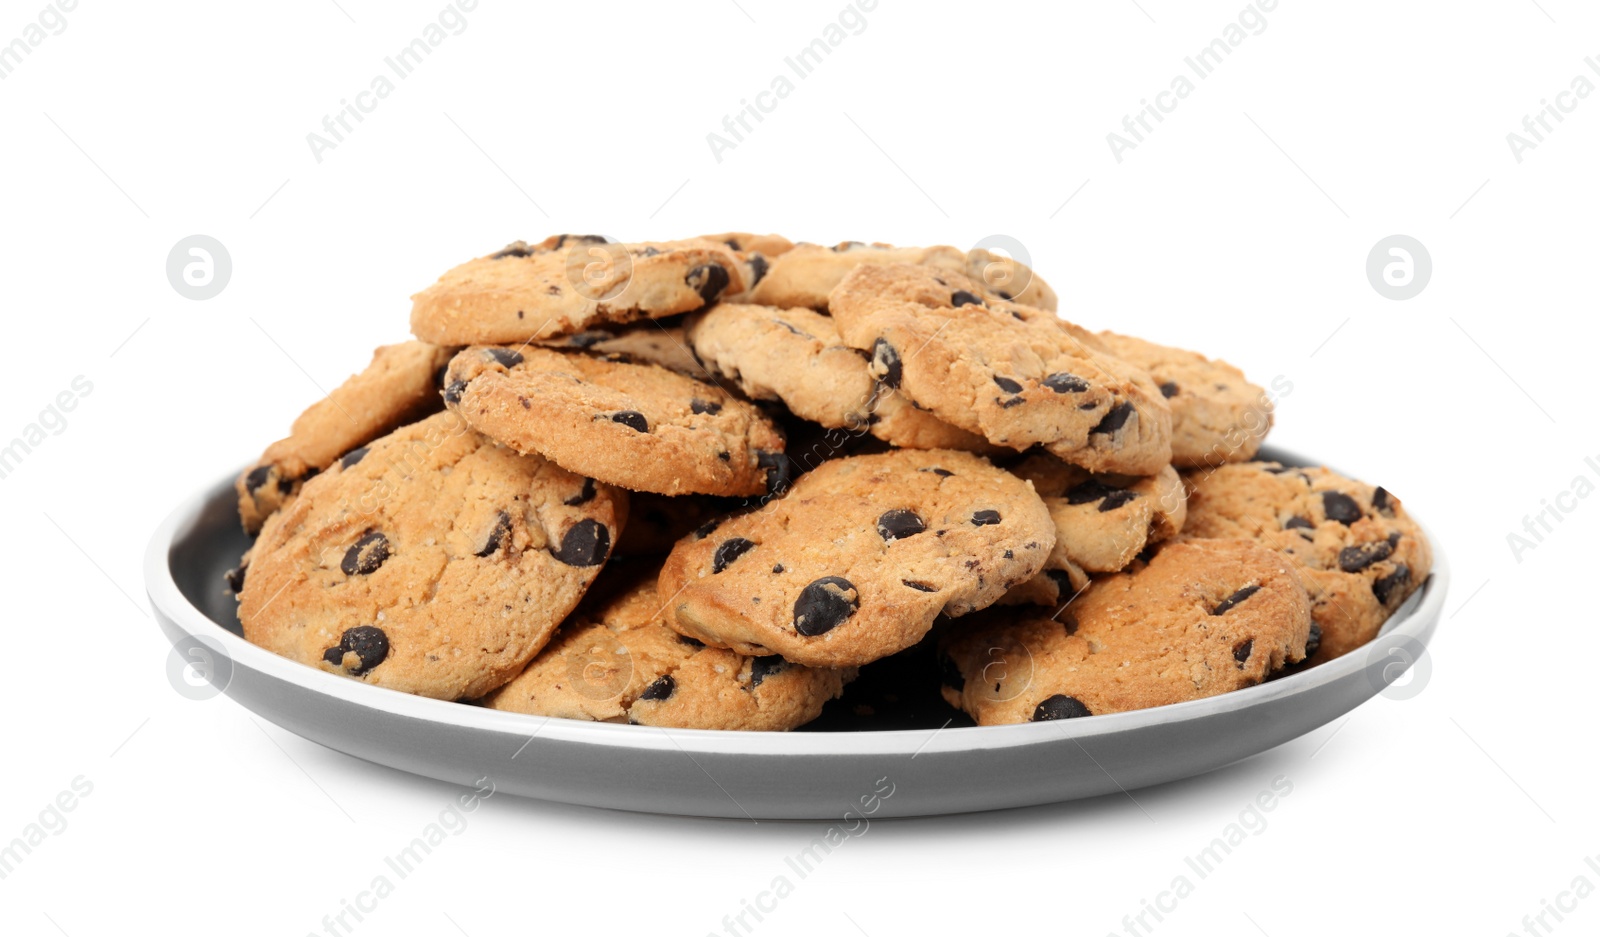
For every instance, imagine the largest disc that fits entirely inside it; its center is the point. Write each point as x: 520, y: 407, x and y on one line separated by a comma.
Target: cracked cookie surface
x: 858, y: 558
x: 1203, y: 617
x: 1014, y: 374
x: 437, y: 563
x: 615, y: 660
x: 1359, y: 553
x: 637, y: 426
x: 400, y: 385
x: 569, y: 283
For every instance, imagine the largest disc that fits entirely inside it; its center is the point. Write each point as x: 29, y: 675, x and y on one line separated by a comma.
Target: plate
x: 936, y: 767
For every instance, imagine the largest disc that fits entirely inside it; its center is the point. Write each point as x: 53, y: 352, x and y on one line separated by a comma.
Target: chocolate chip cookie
x: 806, y: 275
x: 400, y: 385
x: 1359, y: 553
x: 1203, y: 617
x: 858, y: 558
x: 436, y: 562
x: 1012, y: 373
x: 571, y: 283
x: 1103, y: 523
x: 636, y: 426
x: 659, y: 342
x: 1217, y: 415
x: 614, y: 660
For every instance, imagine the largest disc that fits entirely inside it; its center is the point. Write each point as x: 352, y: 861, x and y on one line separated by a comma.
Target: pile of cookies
x: 708, y: 483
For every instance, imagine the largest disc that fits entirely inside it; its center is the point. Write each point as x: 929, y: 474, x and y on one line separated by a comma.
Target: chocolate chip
x: 353, y: 456
x: 779, y: 471
x: 950, y: 675
x: 963, y: 298
x: 369, y: 644
x: 515, y: 249
x: 234, y: 578
x: 565, y: 239
x: 1007, y: 384
x: 985, y: 518
x: 1063, y: 383
x: 824, y: 605
x: 1392, y: 585
x: 705, y: 407
x: 1169, y: 389
x: 588, y: 339
x: 942, y: 473
x: 763, y: 667
x: 727, y: 551
x: 286, y: 483
x: 584, y: 495
x: 1232, y: 600
x: 365, y: 555
x: 777, y: 568
x: 704, y: 530
x: 1241, y: 651
x: 1298, y: 523
x: 454, y: 390
x: 1114, y: 418
x: 1314, y: 641
x: 648, y: 251
x: 505, y: 357
x: 585, y: 543
x: 1060, y: 707
x: 758, y: 268
x: 660, y: 688
x: 886, y: 363
x: 709, y: 280
x: 692, y: 642
x: 1355, y: 559
x: 899, y: 524
x: 632, y: 419
x: 258, y: 476
x: 919, y: 586
x: 497, y: 535
x: 1381, y: 503
x: 1340, y: 507
x: 1008, y: 402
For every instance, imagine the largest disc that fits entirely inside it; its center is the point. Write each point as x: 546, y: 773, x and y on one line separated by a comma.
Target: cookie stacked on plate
x: 708, y: 483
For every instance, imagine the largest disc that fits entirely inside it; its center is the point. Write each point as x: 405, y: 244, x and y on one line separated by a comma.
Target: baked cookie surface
x: 1203, y: 617
x: 400, y: 385
x: 806, y: 275
x: 637, y: 426
x: 570, y: 283
x: 858, y: 558
x: 1359, y: 553
x: 1014, y: 374
x: 658, y: 342
x: 615, y: 660
x: 1217, y: 415
x: 1103, y: 523
x: 436, y: 563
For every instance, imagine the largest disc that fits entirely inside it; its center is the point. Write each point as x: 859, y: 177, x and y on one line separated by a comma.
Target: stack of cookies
x: 709, y: 483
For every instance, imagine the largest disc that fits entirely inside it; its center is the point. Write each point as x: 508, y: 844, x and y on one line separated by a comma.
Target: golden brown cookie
x: 1103, y: 523
x: 637, y: 426
x: 1203, y: 617
x: 1359, y: 553
x: 400, y: 385
x: 858, y: 558
x: 1014, y: 374
x: 438, y: 563
x: 571, y: 283
x: 1217, y: 415
x: 806, y: 275
x: 615, y: 660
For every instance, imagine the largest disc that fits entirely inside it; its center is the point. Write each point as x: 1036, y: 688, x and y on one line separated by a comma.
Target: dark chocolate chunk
x: 585, y: 543
x: 824, y: 605
x: 1114, y: 418
x: 1241, y: 651
x: 899, y: 524
x: 1340, y: 507
x: 705, y: 407
x: 985, y: 518
x: 1063, y: 383
x: 727, y: 551
x: 660, y: 688
x: 497, y: 535
x: 919, y: 586
x: 369, y: 644
x: 584, y: 495
x: 365, y: 555
x: 1355, y: 559
x: 1233, y: 600
x: 505, y: 357
x: 1392, y: 585
x: 963, y: 298
x: 886, y: 363
x: 1169, y: 389
x: 353, y: 456
x: 709, y: 280
x: 632, y: 419
x: 1060, y: 707
x: 1007, y: 384
x: 763, y: 667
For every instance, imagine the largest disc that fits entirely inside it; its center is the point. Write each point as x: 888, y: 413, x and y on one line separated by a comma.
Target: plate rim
x: 1416, y: 620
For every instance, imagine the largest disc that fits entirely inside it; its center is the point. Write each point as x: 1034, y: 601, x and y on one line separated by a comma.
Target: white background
x: 1239, y: 227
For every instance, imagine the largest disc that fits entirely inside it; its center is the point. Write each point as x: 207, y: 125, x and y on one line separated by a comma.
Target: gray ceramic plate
x: 939, y: 764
